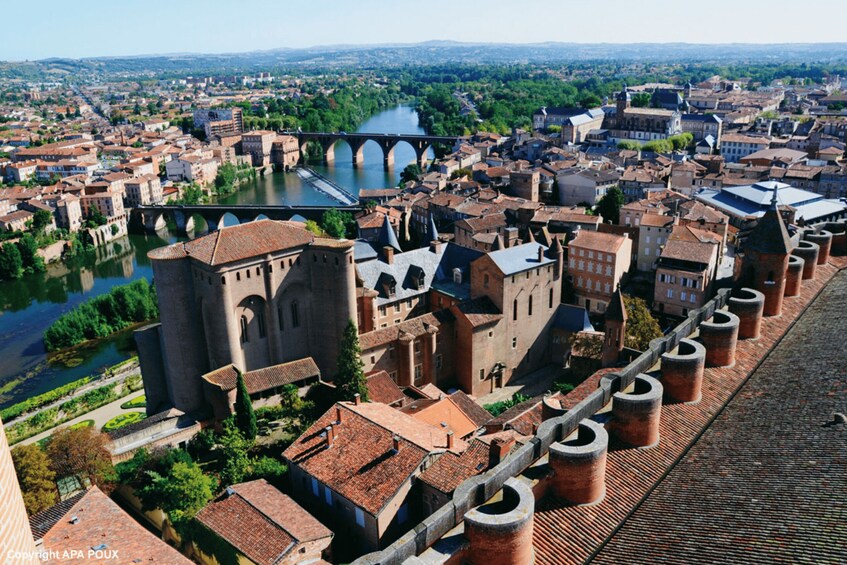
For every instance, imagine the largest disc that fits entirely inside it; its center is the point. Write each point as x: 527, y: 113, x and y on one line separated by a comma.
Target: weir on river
x: 326, y: 186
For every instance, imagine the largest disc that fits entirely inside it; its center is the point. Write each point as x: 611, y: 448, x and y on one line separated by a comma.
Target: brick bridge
x: 387, y: 141
x: 152, y: 218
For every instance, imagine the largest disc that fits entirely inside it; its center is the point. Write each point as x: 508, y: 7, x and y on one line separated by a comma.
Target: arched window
x: 260, y: 318
x: 770, y: 275
x: 529, y: 306
x: 244, y: 337
x: 515, y: 309
x: 485, y: 280
x: 280, y: 311
x: 551, y: 298
x: 295, y: 315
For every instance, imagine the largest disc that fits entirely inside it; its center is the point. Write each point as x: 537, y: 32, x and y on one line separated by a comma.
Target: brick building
x: 597, y: 262
x: 16, y: 542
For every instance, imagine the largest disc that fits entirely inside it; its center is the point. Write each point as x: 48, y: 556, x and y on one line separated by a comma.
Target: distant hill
x: 434, y: 52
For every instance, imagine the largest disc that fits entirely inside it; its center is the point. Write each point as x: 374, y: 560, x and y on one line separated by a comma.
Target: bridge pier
x: 388, y: 153
x: 153, y: 222
x: 329, y: 151
x: 420, y: 153
x: 184, y: 223
x: 357, y: 148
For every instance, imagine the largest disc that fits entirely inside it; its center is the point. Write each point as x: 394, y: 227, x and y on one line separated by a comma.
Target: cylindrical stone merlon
x: 749, y: 306
x: 720, y: 336
x: 500, y: 532
x: 579, y: 465
x: 682, y: 371
x: 824, y: 240
x: 809, y: 252
x: 794, y: 276
x: 636, y: 415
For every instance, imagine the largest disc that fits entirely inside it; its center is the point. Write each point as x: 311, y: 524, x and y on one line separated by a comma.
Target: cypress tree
x: 245, y: 418
x: 351, y: 375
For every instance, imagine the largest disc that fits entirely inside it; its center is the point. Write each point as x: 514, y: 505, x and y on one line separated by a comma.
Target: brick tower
x: 16, y: 543
x: 765, y: 261
x: 613, y: 342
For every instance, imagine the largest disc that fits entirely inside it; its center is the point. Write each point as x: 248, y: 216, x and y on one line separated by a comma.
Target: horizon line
x: 350, y: 46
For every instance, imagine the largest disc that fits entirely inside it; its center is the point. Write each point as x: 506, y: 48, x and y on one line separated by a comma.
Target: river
x: 31, y: 304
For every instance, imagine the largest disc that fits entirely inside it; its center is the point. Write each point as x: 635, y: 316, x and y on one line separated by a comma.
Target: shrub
x: 122, y: 420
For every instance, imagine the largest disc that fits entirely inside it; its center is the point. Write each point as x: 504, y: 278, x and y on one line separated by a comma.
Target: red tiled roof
x: 382, y: 389
x: 598, y: 241
x: 479, y: 311
x: 102, y: 522
x: 261, y: 522
x: 570, y: 534
x: 266, y: 378
x: 442, y: 413
x: 362, y: 465
x: 415, y: 327
x: 472, y: 410
x: 235, y: 243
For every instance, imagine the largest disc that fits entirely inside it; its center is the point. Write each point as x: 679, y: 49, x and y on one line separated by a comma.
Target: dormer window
x: 457, y: 275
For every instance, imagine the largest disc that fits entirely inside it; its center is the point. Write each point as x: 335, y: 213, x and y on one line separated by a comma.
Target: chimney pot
x: 330, y: 435
x: 338, y: 414
x: 357, y: 399
x: 435, y: 246
x: 388, y: 251
x: 540, y: 254
x: 396, y: 443
x: 450, y: 440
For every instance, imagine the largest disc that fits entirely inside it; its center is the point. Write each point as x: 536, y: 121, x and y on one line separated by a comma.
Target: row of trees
x: 121, y: 307
x: 231, y: 176
x: 673, y: 143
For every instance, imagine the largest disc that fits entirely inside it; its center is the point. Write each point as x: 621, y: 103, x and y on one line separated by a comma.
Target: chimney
x: 499, y: 449
x: 330, y: 435
x: 357, y: 399
x: 435, y: 246
x: 450, y: 440
x: 338, y: 414
x: 388, y: 251
x: 396, y: 443
x: 540, y: 254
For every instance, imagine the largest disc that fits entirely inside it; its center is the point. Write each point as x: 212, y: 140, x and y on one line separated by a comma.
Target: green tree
x: 350, y: 378
x: 245, y: 418
x: 312, y: 226
x: 35, y: 477
x: 641, y: 100
x: 641, y: 326
x: 234, y: 453
x: 181, y: 493
x: 410, y: 173
x: 41, y: 220
x: 629, y: 145
x: 338, y: 224
x: 11, y: 263
x: 461, y: 173
x: 32, y: 261
x: 609, y: 206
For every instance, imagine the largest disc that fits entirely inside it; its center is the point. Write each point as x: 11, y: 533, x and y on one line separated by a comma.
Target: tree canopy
x: 245, y: 418
x: 82, y: 453
x: 350, y: 378
x: 641, y: 326
x: 610, y: 205
x: 35, y: 477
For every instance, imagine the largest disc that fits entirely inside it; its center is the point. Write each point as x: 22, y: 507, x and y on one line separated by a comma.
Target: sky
x: 95, y: 28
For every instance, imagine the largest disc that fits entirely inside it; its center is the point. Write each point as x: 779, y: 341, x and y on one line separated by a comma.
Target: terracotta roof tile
x: 382, y: 389
x: 266, y: 378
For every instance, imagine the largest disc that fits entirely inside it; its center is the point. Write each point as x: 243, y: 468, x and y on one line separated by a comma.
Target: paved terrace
x: 720, y: 477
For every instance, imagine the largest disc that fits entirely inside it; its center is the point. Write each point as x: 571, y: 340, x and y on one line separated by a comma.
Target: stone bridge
x: 387, y: 141
x: 153, y: 218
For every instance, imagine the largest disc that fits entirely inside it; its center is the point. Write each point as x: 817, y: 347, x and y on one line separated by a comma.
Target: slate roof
x: 234, y: 243
x: 266, y: 378
x: 261, y: 522
x: 753, y: 200
x: 519, y: 258
x: 572, y: 318
x: 361, y: 464
x: 436, y: 265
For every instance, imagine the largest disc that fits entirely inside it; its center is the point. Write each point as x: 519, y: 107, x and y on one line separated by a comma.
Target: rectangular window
x: 382, y: 310
x: 295, y: 315
x: 693, y: 298
x: 393, y: 375
x: 682, y: 296
x: 396, y: 307
x: 438, y: 361
x: 327, y: 496
x: 261, y: 319
x: 418, y: 374
x: 403, y: 514
x: 670, y: 293
x: 514, y: 342
x: 314, y: 486
x: 360, y: 518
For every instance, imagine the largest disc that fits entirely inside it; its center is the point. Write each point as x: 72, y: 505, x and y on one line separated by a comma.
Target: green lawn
x: 83, y: 424
x: 138, y: 402
x: 122, y: 420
